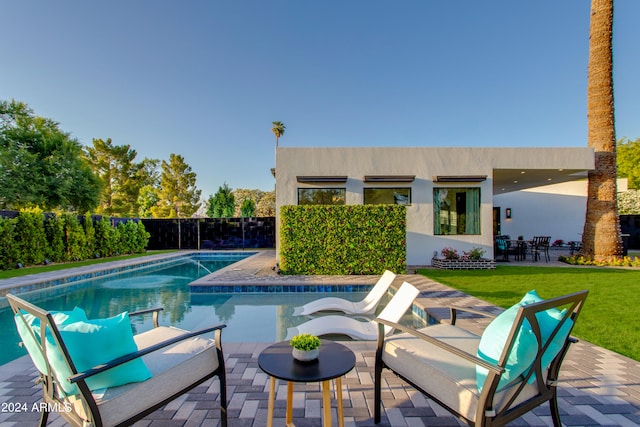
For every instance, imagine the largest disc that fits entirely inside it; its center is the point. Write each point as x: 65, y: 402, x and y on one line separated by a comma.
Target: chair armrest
x: 455, y: 308
x: 131, y: 356
x: 156, y: 311
x: 447, y: 347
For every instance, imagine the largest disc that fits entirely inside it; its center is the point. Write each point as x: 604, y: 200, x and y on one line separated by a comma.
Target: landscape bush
x: 30, y: 239
x: 328, y: 239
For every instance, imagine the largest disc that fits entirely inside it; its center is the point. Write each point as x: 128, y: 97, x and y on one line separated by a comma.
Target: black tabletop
x: 333, y: 361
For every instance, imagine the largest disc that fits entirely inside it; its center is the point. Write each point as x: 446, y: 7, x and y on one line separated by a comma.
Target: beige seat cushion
x: 448, y: 378
x: 173, y: 368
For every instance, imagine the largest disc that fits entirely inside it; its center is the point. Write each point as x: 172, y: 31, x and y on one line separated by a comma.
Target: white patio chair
x: 356, y: 329
x: 365, y: 306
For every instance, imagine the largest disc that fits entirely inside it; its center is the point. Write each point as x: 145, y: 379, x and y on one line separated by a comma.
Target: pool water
x: 249, y: 317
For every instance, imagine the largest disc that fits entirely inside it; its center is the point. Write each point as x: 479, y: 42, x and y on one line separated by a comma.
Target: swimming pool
x: 249, y: 317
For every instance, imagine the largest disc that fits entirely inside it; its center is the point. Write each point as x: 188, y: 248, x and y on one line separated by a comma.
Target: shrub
x: 8, y: 246
x: 305, y: 342
x: 613, y: 262
x: 30, y: 237
x: 54, y: 230
x: 475, y: 253
x: 449, y: 253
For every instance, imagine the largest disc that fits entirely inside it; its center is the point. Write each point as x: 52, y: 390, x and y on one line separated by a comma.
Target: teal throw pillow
x: 548, y: 320
x: 492, y: 344
x: 94, y: 342
x: 26, y: 322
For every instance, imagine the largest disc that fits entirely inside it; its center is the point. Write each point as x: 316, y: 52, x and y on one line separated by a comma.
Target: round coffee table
x: 334, y: 361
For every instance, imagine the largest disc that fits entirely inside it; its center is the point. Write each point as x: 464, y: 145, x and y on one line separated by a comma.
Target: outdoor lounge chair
x: 486, y: 380
x: 97, y: 373
x: 366, y: 306
x: 356, y: 329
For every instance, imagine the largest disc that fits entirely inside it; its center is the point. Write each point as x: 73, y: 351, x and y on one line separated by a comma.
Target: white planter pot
x: 305, y: 355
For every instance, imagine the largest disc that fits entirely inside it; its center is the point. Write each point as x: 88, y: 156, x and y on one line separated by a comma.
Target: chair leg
x: 223, y: 399
x: 377, y: 394
x: 44, y: 417
x: 555, y: 412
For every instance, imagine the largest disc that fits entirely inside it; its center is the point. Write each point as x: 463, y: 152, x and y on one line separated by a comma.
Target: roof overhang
x: 508, y: 180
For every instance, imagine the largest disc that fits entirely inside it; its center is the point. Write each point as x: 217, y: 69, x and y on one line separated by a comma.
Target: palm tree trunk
x: 601, y: 237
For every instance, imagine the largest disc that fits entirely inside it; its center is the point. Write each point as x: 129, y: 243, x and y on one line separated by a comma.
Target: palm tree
x: 278, y: 130
x: 601, y: 237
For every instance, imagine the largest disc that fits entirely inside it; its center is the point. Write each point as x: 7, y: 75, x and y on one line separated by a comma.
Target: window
x: 387, y: 196
x: 456, y: 211
x: 321, y: 196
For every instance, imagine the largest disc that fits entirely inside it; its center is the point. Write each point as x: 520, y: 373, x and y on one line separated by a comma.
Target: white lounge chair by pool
x: 366, y: 306
x: 356, y: 329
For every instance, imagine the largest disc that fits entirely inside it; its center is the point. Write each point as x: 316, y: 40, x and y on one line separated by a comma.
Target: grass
x: 609, y: 319
x: 8, y: 274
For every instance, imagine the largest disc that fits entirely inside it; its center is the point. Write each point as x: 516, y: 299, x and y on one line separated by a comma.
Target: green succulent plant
x: 305, y: 342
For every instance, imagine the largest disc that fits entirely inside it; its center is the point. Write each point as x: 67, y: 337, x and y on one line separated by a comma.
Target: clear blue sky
x: 205, y: 79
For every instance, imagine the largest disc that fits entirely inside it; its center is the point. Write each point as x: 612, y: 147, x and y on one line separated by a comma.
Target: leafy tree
x: 241, y: 196
x: 122, y: 178
x: 278, y: 130
x: 629, y: 202
x: 178, y: 195
x: 222, y: 204
x: 601, y: 238
x: 628, y: 161
x: 266, y: 206
x: 248, y: 208
x: 40, y: 165
x: 147, y: 198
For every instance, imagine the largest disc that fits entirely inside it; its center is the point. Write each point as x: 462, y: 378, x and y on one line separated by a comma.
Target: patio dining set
x: 537, y: 248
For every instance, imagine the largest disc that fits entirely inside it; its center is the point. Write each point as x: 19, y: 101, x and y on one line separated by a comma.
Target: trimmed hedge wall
x: 33, y: 238
x: 352, y: 239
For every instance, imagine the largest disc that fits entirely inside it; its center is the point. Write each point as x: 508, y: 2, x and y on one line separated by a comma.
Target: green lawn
x: 54, y: 267
x: 609, y: 319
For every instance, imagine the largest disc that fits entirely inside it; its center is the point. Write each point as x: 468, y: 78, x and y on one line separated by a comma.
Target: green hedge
x: 29, y: 239
x: 353, y: 239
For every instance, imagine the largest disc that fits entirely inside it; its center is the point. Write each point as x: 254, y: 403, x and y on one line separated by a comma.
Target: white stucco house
x: 455, y: 197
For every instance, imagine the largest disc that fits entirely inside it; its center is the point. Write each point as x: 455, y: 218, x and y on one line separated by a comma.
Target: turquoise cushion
x: 94, y: 342
x: 32, y: 342
x: 548, y: 320
x: 525, y: 347
x: 492, y: 344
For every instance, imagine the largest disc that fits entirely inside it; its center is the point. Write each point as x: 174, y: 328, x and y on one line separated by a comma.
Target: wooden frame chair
x: 442, y: 362
x: 178, y: 361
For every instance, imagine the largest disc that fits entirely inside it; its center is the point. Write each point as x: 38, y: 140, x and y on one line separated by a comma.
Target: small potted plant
x: 305, y: 347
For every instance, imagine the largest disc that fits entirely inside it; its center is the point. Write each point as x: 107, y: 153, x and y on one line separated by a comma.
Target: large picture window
x: 321, y: 196
x: 456, y: 211
x: 387, y: 196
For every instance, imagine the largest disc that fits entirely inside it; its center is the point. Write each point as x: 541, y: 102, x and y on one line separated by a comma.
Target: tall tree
x: 278, y: 130
x: 248, y: 208
x: 222, y: 204
x: 601, y: 238
x: 40, y: 165
x: 122, y: 177
x: 266, y: 206
x: 178, y: 196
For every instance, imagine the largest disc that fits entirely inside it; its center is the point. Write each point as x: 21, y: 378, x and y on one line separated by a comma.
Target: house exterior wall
x: 425, y: 163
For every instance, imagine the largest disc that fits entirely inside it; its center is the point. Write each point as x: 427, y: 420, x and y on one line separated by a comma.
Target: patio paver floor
x: 597, y: 387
